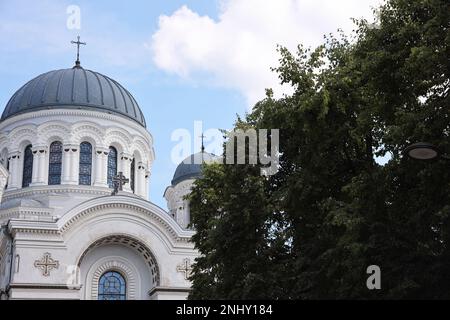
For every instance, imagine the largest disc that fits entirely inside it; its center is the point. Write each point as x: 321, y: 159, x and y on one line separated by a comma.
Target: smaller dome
x: 191, y: 167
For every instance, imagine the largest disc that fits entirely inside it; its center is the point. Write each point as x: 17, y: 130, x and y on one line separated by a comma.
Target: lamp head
x: 422, y: 151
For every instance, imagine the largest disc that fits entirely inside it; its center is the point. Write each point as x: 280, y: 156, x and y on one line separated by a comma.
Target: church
x: 76, y: 220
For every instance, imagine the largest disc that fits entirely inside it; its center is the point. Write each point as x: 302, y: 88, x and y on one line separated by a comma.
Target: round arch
x: 129, y: 242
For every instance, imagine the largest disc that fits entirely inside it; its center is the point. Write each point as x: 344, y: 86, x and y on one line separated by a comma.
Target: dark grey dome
x: 74, y: 88
x: 191, y: 167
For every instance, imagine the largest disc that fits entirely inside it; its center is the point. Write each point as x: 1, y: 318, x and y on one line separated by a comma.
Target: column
x: 34, y: 176
x: 187, y: 213
x: 125, y: 166
x: 146, y: 184
x: 43, y: 166
x: 76, y: 171
x: 180, y: 215
x: 140, y: 180
x: 14, y: 167
x: 74, y: 164
x: 39, y: 164
x: 66, y: 164
x: 101, y: 166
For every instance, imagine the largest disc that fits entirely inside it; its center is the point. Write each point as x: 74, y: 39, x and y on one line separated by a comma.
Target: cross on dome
x: 78, y: 43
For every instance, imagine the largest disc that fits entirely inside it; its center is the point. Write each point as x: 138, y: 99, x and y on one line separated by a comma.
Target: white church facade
x: 64, y: 137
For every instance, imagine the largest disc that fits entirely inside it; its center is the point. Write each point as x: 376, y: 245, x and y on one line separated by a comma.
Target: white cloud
x: 238, y: 50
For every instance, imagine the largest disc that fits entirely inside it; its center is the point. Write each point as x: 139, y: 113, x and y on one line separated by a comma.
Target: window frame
x: 81, y: 163
x: 110, y: 170
x: 102, y: 293
x: 58, y: 154
x: 29, y: 179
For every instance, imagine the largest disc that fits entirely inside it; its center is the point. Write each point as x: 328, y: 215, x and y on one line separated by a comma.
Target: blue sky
x: 183, y: 61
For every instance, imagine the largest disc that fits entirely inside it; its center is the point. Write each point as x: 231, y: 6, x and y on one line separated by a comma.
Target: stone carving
x: 185, y: 267
x: 46, y: 264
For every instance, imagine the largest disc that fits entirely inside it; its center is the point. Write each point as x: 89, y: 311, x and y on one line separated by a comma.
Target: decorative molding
x: 35, y: 216
x: 44, y: 286
x: 95, y: 210
x: 155, y: 290
x: 134, y: 244
x: 36, y: 231
x: 21, y: 134
x: 60, y: 189
x: 54, y: 114
x: 70, y: 127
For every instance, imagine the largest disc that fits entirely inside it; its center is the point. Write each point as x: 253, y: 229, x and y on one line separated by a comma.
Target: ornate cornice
x: 21, y: 212
x: 55, y: 113
x: 59, y: 124
x: 33, y: 227
x: 59, y: 189
x: 85, y: 214
x: 140, y: 207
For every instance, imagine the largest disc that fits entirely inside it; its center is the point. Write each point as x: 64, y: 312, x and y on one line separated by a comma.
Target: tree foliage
x: 311, y: 230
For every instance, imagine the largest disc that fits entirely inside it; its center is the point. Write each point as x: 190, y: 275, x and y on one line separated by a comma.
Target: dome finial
x: 78, y: 43
x: 203, y: 146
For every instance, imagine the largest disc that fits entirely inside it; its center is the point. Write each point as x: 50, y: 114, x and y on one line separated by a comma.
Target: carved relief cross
x: 46, y: 264
x: 185, y: 267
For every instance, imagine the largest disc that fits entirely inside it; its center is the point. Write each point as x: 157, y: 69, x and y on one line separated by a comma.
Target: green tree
x: 311, y: 230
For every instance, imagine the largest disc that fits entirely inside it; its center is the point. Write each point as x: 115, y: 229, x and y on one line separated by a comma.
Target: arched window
x: 84, y: 176
x: 5, y: 162
x: 55, y: 163
x: 27, y: 166
x: 112, y: 165
x: 132, y: 173
x: 7, y: 168
x: 111, y: 286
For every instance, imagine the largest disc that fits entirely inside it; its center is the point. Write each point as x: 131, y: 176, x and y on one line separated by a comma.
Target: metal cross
x: 78, y: 43
x: 118, y: 181
x: 185, y: 267
x: 46, y: 264
x: 203, y: 146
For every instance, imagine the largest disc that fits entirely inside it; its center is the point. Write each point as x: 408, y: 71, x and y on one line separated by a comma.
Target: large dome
x: 74, y: 88
x: 191, y: 167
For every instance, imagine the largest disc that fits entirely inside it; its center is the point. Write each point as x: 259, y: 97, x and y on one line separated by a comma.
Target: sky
x: 183, y: 61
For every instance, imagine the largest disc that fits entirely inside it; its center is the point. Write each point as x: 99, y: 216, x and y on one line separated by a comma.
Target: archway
x: 125, y: 255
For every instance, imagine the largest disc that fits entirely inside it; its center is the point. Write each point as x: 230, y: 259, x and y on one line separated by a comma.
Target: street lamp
x: 424, y: 151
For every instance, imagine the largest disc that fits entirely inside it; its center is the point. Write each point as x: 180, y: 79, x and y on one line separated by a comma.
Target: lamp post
x: 424, y: 151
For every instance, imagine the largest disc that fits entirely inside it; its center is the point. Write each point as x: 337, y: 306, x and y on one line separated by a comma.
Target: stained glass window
x: 27, y: 166
x: 132, y: 171
x: 84, y: 176
x: 55, y: 163
x: 112, y: 165
x: 111, y: 286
